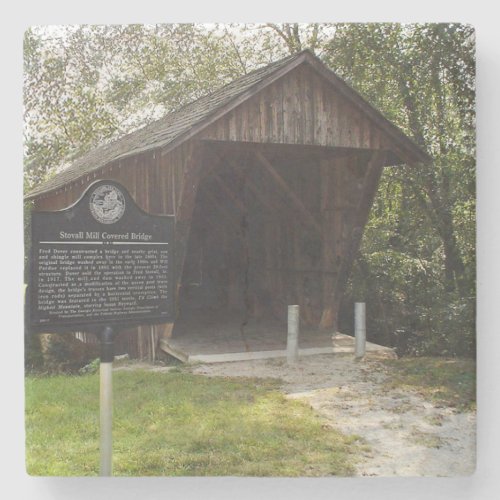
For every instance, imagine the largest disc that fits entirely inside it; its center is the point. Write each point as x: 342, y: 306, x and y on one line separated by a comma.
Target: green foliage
x: 33, y: 357
x: 171, y: 424
x: 416, y: 268
x: 84, y: 85
x: 90, y: 368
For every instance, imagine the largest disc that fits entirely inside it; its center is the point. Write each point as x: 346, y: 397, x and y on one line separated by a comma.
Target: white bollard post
x: 360, y: 329
x: 106, y: 418
x: 106, y: 402
x: 292, y: 344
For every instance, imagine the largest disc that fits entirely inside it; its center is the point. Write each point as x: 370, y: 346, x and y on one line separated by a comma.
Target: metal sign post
x: 101, y: 265
x: 106, y: 402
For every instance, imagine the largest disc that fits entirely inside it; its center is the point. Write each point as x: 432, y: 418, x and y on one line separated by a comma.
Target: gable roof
x: 180, y: 125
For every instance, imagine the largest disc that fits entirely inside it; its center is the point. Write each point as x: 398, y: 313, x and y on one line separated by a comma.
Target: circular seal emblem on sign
x: 107, y: 204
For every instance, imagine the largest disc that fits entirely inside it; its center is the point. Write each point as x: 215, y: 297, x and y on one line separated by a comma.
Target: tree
x: 298, y: 37
x: 422, y: 78
x: 84, y: 85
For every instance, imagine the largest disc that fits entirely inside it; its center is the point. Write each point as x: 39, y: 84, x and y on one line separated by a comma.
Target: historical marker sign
x: 102, y: 261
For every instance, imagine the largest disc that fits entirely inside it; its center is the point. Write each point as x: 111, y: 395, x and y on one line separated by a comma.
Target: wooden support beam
x: 225, y: 215
x: 329, y: 192
x: 289, y: 192
x: 260, y: 197
x: 295, y: 151
x: 236, y: 201
x: 213, y: 222
x: 215, y: 159
x: 370, y: 183
x: 254, y: 189
x: 184, y: 211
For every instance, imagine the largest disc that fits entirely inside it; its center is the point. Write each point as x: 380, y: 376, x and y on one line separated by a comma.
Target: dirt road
x: 406, y: 435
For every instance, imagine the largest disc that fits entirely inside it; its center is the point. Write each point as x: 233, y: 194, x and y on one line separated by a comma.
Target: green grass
x: 178, y: 424
x: 449, y: 382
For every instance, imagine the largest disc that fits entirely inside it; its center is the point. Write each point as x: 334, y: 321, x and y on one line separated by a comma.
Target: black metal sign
x: 101, y: 261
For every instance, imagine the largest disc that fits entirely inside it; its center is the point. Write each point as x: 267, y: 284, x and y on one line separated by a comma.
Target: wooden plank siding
x: 300, y: 108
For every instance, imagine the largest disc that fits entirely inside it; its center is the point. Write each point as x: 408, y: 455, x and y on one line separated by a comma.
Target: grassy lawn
x: 178, y: 424
x: 450, y: 382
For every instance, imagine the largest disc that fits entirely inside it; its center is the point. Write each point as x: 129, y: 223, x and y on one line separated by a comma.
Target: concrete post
x: 292, y: 344
x: 106, y: 402
x: 360, y: 328
x: 106, y: 418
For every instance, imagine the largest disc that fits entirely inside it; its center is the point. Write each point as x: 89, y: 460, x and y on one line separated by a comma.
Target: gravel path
x: 406, y: 435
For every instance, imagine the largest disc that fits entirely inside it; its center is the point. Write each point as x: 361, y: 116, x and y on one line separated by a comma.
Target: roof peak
x: 182, y: 123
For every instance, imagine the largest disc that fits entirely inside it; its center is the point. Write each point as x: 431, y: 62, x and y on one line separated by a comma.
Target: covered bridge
x: 270, y: 179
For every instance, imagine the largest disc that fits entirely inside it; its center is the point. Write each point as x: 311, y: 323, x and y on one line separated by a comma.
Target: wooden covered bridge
x: 270, y: 179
